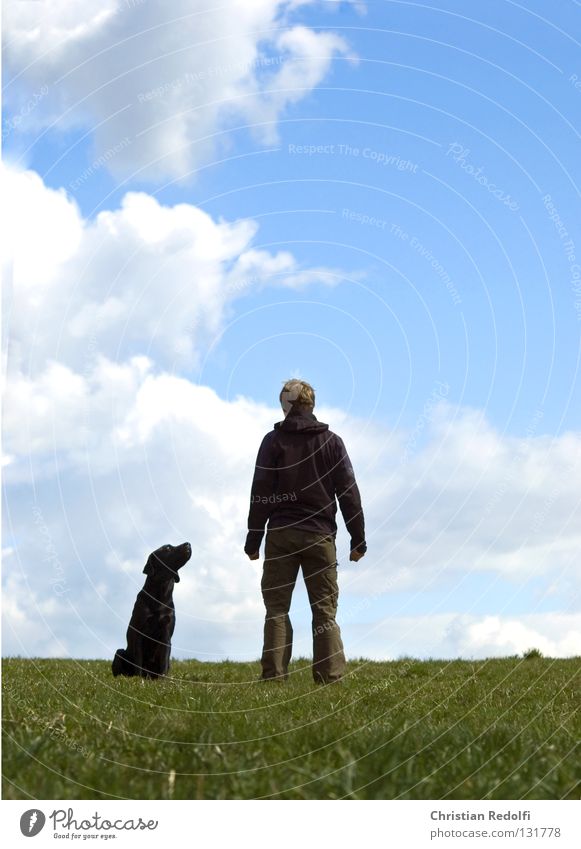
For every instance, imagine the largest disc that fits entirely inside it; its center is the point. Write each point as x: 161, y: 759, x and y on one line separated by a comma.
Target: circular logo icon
x: 32, y: 822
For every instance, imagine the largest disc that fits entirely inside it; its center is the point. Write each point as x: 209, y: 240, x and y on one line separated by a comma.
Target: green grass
x: 498, y: 729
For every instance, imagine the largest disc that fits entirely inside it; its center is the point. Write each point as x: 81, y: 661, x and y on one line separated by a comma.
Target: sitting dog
x: 153, y: 619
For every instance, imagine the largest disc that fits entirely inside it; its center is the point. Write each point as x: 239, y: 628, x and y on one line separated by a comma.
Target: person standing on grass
x: 301, y: 468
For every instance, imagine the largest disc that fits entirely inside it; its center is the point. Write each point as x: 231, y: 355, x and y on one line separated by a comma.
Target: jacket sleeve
x: 262, y: 501
x: 349, y: 498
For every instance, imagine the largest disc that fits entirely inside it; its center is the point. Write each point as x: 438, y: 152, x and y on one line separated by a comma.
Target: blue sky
x: 409, y: 177
x: 411, y: 96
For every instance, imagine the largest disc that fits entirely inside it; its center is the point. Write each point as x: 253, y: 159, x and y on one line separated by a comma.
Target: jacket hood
x: 299, y: 422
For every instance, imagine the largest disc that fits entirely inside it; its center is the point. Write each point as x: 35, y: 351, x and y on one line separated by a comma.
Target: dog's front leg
x: 165, y: 656
x: 135, y: 650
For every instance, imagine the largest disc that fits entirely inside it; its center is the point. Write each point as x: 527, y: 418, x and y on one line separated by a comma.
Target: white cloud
x: 143, y: 276
x: 554, y: 634
x: 27, y: 619
x: 453, y: 635
x: 307, y: 57
x: 159, y: 82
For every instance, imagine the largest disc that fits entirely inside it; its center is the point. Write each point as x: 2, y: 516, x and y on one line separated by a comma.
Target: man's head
x: 297, y: 394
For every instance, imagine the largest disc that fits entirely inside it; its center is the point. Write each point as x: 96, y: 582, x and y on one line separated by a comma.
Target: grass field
x: 499, y: 729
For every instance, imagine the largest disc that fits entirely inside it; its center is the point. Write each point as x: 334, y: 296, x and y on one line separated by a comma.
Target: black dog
x: 153, y: 619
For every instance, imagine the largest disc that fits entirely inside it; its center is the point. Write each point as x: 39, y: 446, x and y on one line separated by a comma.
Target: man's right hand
x: 356, y: 555
x: 254, y: 556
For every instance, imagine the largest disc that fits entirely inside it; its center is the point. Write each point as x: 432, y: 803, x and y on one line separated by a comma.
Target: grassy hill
x: 500, y: 729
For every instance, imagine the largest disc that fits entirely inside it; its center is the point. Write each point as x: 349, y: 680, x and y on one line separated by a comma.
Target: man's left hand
x: 254, y: 556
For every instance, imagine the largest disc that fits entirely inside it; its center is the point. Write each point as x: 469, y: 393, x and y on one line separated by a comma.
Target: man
x: 301, y: 468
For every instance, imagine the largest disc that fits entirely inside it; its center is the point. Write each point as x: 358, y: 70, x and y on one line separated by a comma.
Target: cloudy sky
x: 204, y: 199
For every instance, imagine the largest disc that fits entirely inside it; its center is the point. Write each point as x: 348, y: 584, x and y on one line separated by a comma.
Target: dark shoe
x: 319, y: 680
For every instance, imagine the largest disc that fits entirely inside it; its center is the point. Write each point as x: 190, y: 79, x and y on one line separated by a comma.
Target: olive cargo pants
x: 288, y: 549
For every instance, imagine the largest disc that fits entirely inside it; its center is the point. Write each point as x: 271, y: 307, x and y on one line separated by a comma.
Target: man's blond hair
x: 300, y: 393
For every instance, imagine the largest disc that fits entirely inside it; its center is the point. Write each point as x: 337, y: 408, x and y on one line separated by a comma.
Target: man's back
x: 301, y: 468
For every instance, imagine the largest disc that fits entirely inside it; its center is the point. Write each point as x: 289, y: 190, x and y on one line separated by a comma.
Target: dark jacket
x: 301, y: 468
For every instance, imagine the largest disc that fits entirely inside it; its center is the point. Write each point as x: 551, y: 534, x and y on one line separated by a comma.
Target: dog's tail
x: 121, y: 665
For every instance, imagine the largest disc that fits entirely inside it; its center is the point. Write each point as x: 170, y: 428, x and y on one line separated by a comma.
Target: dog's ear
x: 149, y: 568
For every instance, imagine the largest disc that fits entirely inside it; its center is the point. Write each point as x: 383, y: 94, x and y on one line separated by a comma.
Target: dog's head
x: 164, y: 562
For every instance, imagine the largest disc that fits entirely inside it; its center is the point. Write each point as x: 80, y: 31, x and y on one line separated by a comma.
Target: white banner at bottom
x: 274, y: 823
